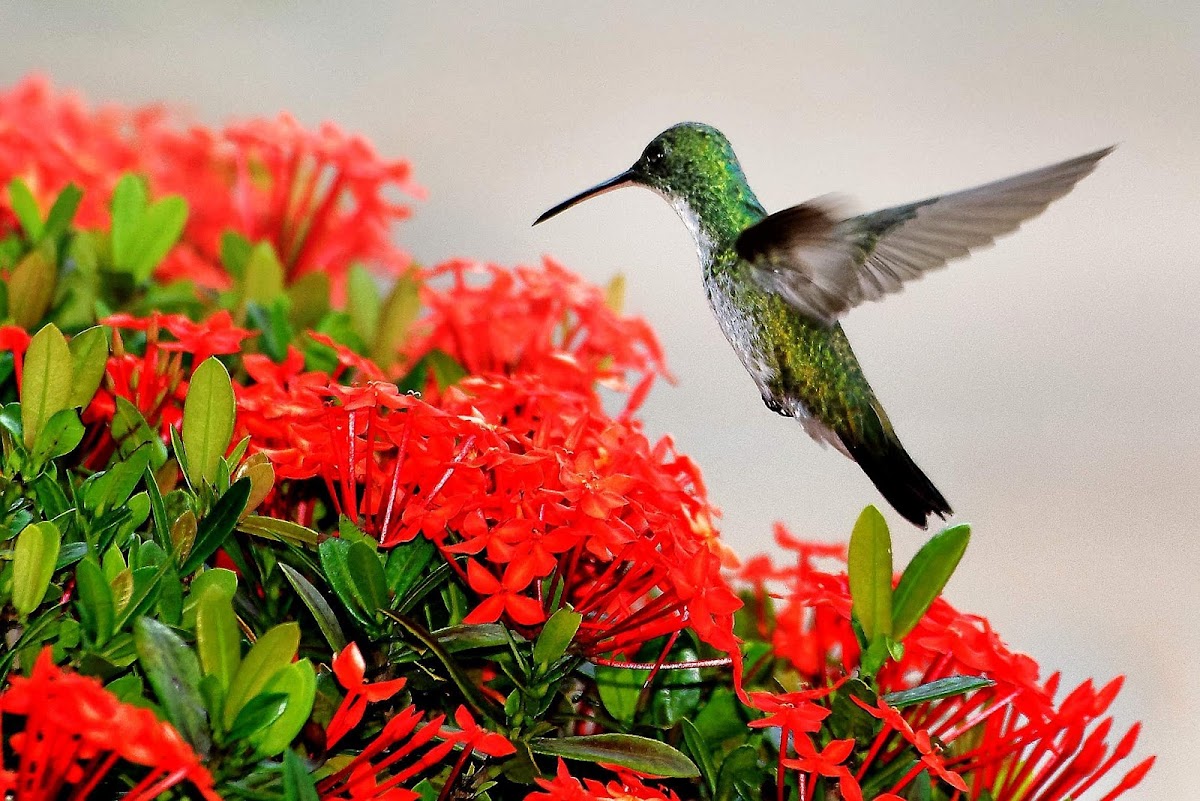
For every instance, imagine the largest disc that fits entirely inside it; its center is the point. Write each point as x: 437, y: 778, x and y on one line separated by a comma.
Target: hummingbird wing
x: 824, y: 267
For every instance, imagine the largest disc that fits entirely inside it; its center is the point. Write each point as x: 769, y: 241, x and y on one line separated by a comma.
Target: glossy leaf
x: 273, y: 652
x: 273, y: 528
x: 89, y: 356
x: 936, y: 690
x: 333, y: 555
x: 25, y: 207
x: 620, y: 689
x: 627, y: 750
x: 218, y: 638
x: 259, y: 712
x: 363, y: 302
x: 208, y: 417
x: 870, y: 569
x: 95, y: 601
x: 556, y: 637
x: 298, y: 683
x: 172, y: 670
x: 31, y: 287
x: 34, y: 557
x: 217, y: 525
x: 321, y: 611
x: 298, y: 783
x: 61, y: 434
x: 133, y: 434
x: 46, y: 384
x: 400, y: 310
x: 62, y: 212
x: 701, y: 754
x: 926, y: 577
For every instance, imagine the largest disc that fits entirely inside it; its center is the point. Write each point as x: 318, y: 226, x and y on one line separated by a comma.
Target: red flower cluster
x: 68, y: 733
x: 1010, y: 740
x: 320, y: 197
x: 565, y: 502
x: 396, y: 754
x: 626, y: 787
x: 548, y: 322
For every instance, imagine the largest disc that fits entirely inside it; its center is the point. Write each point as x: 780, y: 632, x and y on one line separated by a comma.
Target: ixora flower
x: 323, y: 198
x: 64, y: 735
x: 1007, y: 741
x: 517, y: 592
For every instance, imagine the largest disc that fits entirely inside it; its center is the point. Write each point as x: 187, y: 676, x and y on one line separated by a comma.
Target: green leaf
x: 208, y: 416
x: 26, y: 208
x: 406, y: 565
x: 334, y: 554
x: 926, y: 577
x: 446, y: 371
x: 46, y: 385
x: 273, y: 528
x: 298, y: 683
x: 273, y: 652
x: 556, y: 637
x: 298, y: 782
x: 677, y: 695
x: 128, y: 206
x: 62, y: 434
x: 133, y: 434
x: 158, y: 231
x: 174, y: 674
x: 627, y: 750
x: 95, y: 602
x: 936, y: 690
x: 259, y: 712
x: 89, y: 356
x: 720, y: 718
x: 870, y: 569
x: 741, y: 775
x: 31, y: 288
x: 363, y: 302
x: 34, y: 557
x: 399, y: 312
x: 700, y: 754
x: 475, y: 636
x: 309, y: 299
x: 322, y: 612
x: 59, y: 218
x: 217, y: 525
x: 480, y: 704
x: 218, y: 638
x: 235, y: 252
x: 263, y: 283
x: 620, y: 689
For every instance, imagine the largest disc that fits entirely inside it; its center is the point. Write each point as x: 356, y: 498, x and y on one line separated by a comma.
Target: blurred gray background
x: 1049, y: 386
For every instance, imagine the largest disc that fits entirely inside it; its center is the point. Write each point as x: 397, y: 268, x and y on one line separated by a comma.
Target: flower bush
x: 285, y: 515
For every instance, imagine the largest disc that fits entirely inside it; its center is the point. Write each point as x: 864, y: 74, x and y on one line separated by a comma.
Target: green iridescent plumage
x: 778, y: 283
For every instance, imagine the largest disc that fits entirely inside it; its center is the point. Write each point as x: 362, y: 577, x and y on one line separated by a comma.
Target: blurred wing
x: 825, y: 268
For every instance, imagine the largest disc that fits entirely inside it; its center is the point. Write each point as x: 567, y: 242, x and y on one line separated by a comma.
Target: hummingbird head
x: 689, y: 164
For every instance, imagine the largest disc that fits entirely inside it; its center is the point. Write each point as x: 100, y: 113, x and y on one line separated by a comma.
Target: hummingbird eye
x: 656, y: 153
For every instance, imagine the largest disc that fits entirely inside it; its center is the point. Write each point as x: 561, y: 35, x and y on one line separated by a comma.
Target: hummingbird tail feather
x: 899, y: 480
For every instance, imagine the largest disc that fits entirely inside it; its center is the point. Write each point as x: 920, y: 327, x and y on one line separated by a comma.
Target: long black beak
x: 616, y: 182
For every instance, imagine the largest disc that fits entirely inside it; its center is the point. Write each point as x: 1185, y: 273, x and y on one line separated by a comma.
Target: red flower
x: 565, y: 787
x: 548, y: 321
x: 72, y: 733
x: 826, y: 762
x: 320, y: 197
x: 350, y: 670
x: 502, y: 596
x: 476, y: 738
x: 1016, y: 742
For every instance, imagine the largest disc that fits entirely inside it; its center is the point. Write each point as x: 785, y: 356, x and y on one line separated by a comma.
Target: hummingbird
x: 779, y: 283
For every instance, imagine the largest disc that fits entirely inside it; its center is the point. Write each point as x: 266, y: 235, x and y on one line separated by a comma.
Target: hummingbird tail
x: 899, y: 480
